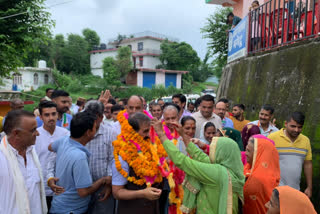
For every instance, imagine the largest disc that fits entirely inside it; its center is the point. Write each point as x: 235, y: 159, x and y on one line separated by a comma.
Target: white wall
x: 160, y: 78
x: 96, y: 59
x: 147, y: 44
x: 140, y: 79
x: 97, y: 72
x: 151, y: 62
x: 178, y: 81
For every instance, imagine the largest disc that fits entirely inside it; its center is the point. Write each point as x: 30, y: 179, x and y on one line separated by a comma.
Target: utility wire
x: 30, y: 12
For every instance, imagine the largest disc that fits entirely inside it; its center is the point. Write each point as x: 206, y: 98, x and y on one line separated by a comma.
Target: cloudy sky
x: 176, y: 18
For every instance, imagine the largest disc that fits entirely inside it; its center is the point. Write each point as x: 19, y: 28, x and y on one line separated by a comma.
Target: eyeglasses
x: 32, y: 131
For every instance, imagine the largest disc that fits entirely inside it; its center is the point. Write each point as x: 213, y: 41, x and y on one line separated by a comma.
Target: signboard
x: 238, y: 40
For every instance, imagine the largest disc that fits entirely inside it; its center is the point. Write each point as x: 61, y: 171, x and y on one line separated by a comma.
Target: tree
x: 91, y: 37
x: 215, y: 30
x: 178, y: 56
x: 110, y: 72
x: 75, y: 56
x: 205, y: 70
x: 18, y: 33
x: 56, y: 50
x: 124, y: 61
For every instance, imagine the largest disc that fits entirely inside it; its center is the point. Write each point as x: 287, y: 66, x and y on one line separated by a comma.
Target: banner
x: 238, y: 40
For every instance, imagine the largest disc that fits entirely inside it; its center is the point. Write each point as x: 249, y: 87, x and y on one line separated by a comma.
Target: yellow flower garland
x: 143, y: 156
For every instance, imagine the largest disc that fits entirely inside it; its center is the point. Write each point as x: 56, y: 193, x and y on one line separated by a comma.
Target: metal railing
x: 278, y: 23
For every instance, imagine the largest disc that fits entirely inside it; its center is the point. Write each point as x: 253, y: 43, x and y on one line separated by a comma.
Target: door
x: 171, y: 79
x: 149, y: 79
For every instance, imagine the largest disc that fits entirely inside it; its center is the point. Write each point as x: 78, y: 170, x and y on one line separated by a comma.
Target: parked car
x: 208, y: 91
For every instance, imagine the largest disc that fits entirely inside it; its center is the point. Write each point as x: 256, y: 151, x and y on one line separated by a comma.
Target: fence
x: 278, y: 22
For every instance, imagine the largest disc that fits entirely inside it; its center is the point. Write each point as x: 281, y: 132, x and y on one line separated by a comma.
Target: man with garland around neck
x: 137, y: 180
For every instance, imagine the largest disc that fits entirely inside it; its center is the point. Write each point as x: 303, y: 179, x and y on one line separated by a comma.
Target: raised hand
x: 104, y: 97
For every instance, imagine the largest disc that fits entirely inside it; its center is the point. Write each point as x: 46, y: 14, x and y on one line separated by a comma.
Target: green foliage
x: 18, y: 33
x: 123, y: 61
x: 178, y: 56
x: 111, y: 74
x: 55, y: 49
x: 76, y: 59
x: 215, y: 30
x: 91, y: 37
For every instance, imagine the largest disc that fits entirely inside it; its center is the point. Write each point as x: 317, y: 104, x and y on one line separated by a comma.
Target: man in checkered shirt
x: 100, y: 160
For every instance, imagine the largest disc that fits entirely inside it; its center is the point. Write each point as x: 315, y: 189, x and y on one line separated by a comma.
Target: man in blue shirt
x: 72, y: 167
x: 220, y: 110
x: 61, y: 98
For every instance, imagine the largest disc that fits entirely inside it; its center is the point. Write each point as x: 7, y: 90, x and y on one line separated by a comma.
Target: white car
x: 208, y: 91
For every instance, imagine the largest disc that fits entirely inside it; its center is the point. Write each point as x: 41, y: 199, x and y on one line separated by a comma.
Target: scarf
x: 22, y: 198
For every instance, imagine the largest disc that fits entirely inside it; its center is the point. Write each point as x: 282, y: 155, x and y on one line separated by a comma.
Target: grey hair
x: 95, y: 107
x: 137, y: 119
x: 15, y: 101
x: 170, y: 107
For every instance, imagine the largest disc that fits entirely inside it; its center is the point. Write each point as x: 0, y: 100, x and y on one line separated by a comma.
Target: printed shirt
x: 68, y: 118
x: 200, y: 120
x: 227, y: 123
x: 100, y: 148
x: 292, y: 156
x: 45, y: 156
x: 72, y: 169
x: 32, y: 183
x: 270, y: 129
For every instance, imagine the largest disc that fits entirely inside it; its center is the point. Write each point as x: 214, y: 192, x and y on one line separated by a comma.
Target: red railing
x: 278, y: 23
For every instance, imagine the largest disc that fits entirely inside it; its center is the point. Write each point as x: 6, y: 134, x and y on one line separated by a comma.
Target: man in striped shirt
x: 294, y: 152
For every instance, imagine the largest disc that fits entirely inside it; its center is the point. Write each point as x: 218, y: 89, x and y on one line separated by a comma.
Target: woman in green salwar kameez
x: 214, y: 183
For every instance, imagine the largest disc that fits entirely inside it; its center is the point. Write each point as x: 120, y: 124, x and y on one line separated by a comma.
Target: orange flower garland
x: 143, y: 156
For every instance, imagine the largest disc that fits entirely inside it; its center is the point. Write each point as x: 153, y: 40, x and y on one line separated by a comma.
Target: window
x: 141, y: 61
x: 46, y: 79
x: 140, y: 46
x: 35, y: 79
x: 17, y: 79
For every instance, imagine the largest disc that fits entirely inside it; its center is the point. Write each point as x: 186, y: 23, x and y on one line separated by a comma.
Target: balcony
x: 147, y: 52
x: 141, y: 35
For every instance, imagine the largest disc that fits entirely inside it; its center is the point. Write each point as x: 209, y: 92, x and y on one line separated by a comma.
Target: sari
x: 214, y: 183
x: 293, y: 201
x: 248, y: 131
x: 234, y: 135
x: 262, y: 177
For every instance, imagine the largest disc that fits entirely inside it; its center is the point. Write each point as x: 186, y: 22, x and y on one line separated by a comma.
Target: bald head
x: 134, y: 105
x: 16, y: 104
x: 220, y: 109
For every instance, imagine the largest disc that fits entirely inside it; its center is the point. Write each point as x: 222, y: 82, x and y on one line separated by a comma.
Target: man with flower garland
x: 136, y: 178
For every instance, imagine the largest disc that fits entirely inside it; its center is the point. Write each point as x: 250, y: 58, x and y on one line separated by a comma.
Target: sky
x: 181, y: 19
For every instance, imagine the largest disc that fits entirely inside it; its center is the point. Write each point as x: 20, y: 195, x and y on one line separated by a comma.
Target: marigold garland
x: 146, y: 158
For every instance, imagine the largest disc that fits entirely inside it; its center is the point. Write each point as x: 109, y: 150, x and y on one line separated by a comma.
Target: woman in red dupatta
x: 262, y: 173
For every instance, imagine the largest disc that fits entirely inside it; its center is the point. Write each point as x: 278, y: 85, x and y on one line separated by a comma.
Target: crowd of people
x: 111, y: 155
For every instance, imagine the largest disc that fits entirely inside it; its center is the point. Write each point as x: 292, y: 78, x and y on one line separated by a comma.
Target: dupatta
x: 293, y: 201
x: 262, y: 177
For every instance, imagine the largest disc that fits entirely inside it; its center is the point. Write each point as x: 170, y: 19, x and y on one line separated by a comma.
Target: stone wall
x: 288, y: 79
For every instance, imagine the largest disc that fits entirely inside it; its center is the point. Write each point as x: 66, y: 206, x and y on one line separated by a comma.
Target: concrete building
x: 145, y: 57
x: 28, y: 78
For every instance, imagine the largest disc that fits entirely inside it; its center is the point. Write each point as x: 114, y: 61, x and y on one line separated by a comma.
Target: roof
x: 105, y: 50
x: 162, y: 70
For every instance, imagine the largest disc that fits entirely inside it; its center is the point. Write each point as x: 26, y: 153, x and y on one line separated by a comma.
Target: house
x: 28, y: 78
x: 146, y: 51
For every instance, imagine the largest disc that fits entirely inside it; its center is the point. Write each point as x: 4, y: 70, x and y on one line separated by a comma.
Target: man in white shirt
x: 264, y: 122
x: 206, y: 114
x: 21, y: 181
x: 49, y: 133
